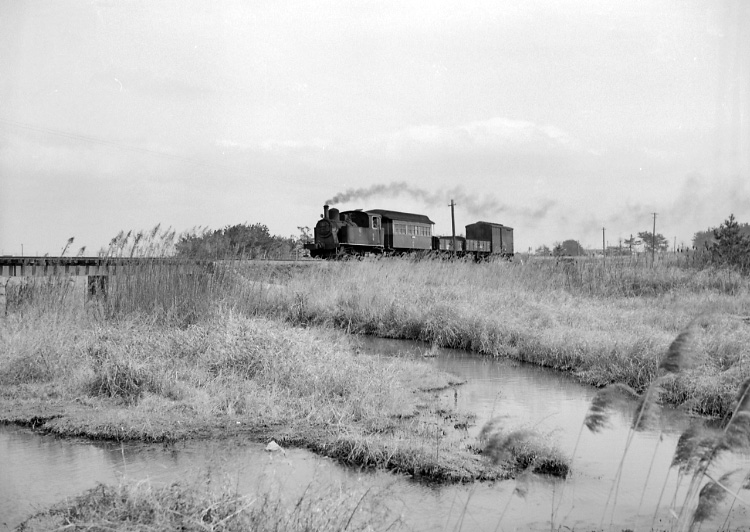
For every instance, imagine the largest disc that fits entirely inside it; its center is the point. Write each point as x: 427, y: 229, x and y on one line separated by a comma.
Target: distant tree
x: 248, y: 241
x: 568, y: 248
x: 704, y: 240
x: 305, y: 234
x: 235, y: 242
x: 649, y: 243
x: 617, y: 250
x: 543, y: 250
x: 631, y: 243
x: 732, y: 244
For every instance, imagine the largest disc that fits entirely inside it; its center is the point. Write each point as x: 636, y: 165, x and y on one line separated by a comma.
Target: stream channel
x: 37, y: 470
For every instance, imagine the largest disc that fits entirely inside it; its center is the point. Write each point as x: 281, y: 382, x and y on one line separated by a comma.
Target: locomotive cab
x: 362, y: 231
x: 350, y: 232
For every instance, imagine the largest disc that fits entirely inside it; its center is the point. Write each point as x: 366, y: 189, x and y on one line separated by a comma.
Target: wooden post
x: 3, y: 298
x: 453, y: 226
x: 653, y: 242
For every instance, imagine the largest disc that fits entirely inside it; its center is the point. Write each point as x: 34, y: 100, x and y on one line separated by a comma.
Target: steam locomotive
x: 380, y: 231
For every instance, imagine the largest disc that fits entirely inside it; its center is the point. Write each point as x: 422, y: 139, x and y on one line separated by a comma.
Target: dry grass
x: 140, y: 376
x: 196, y: 506
x: 178, y: 353
x: 697, y: 449
x: 525, y: 449
x: 520, y: 311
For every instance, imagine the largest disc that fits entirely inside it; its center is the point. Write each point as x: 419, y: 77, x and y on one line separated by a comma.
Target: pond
x: 39, y: 470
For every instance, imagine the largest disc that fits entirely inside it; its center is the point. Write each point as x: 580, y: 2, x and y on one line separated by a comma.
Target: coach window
x: 375, y: 223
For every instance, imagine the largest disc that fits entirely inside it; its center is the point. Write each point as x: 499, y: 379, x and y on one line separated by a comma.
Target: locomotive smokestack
x: 325, y: 211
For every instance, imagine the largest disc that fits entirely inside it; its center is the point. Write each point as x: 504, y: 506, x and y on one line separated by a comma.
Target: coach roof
x: 402, y: 216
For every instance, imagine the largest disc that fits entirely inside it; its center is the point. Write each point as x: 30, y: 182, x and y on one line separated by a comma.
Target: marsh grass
x: 27, y: 296
x: 735, y: 438
x: 527, y: 311
x: 168, y: 346
x: 679, y: 356
x: 525, y: 449
x: 697, y: 449
x: 170, y: 290
x: 143, y: 372
x: 199, y: 506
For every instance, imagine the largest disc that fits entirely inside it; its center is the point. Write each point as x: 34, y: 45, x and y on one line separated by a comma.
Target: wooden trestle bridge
x: 97, y: 270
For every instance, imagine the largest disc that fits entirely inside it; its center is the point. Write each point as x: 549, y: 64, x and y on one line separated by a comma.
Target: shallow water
x: 37, y: 471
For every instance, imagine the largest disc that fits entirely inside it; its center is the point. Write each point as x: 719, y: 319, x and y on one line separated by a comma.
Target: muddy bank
x: 349, y: 445
x: 233, y: 376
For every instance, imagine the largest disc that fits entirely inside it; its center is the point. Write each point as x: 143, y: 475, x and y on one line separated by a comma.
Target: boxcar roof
x: 490, y: 223
x: 402, y: 216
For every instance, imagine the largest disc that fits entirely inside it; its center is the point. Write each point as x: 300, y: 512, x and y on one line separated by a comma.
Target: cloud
x: 492, y: 136
x: 281, y: 146
x: 497, y: 133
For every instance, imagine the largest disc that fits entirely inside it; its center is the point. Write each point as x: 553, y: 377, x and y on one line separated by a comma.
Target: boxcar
x: 477, y: 246
x: 499, y: 236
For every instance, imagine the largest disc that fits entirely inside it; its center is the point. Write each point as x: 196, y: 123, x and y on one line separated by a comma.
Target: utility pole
x: 453, y: 226
x: 604, y: 247
x: 653, y: 242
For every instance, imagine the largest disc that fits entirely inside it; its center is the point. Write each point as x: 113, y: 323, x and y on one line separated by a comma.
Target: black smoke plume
x: 429, y: 198
x: 480, y: 203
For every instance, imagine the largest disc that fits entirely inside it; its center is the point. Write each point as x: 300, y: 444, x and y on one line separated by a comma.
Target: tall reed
x: 734, y: 438
x: 696, y: 449
x: 678, y: 357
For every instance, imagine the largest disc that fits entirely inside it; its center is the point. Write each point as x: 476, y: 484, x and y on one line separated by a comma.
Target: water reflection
x: 38, y: 471
x: 530, y: 396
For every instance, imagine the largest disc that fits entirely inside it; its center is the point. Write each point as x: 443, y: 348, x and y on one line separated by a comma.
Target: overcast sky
x: 557, y: 117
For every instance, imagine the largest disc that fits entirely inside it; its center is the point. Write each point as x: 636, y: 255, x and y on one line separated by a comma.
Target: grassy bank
x: 244, y: 350
x: 197, y: 506
x: 165, y: 362
x: 604, y: 323
x: 169, y: 355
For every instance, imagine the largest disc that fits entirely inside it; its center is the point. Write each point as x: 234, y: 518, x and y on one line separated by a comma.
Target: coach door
x: 376, y: 235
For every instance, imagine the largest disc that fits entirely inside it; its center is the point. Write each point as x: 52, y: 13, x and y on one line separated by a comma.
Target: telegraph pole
x: 604, y: 247
x: 653, y: 241
x: 453, y: 226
